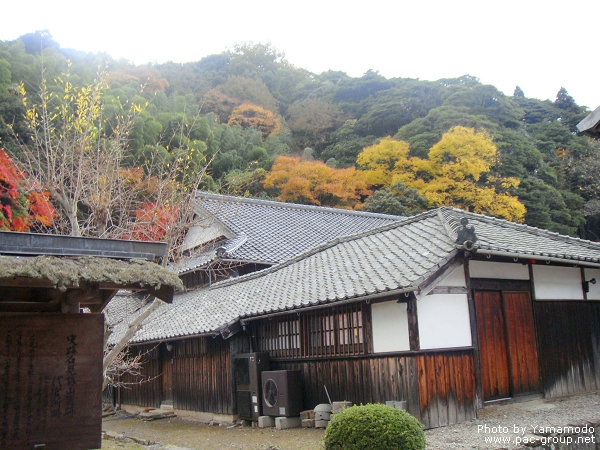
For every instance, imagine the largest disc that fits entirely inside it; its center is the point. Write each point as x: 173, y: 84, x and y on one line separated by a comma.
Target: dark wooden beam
x: 165, y: 293
x: 413, y: 323
x: 448, y: 290
x: 484, y: 284
x: 29, y: 307
x: 474, y: 337
x: 442, y: 273
x: 26, y: 282
x: 106, y: 296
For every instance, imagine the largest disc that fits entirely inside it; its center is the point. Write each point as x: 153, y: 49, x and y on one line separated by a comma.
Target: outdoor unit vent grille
x: 282, y: 393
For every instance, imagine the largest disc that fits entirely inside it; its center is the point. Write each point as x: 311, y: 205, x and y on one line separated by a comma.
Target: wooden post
x: 474, y: 340
x: 413, y: 322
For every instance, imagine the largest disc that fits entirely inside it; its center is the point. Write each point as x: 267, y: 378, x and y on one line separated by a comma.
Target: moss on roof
x: 65, y: 272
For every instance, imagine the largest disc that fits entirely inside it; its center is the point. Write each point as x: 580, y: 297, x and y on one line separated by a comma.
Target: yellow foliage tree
x: 455, y: 173
x: 315, y: 183
x: 380, y: 161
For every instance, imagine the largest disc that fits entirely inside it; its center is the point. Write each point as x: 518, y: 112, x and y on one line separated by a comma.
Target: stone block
x: 266, y: 422
x: 321, y: 423
x: 323, y: 407
x: 308, y: 423
x: 322, y: 415
x: 308, y: 414
x: 282, y: 423
x: 337, y: 406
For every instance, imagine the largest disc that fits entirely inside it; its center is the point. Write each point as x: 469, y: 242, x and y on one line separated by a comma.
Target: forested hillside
x: 269, y: 129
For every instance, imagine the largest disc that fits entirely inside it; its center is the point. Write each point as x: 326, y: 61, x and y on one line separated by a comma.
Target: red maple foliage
x: 22, y: 203
x: 152, y: 222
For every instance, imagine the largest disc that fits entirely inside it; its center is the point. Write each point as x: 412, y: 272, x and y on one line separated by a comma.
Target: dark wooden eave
x: 35, y: 295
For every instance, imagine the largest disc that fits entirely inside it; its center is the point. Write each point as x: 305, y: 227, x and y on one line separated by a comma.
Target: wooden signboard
x: 51, y: 381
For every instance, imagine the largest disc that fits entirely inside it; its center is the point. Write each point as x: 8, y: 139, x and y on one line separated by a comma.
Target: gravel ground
x: 537, y: 413
x: 180, y: 433
x: 184, y: 433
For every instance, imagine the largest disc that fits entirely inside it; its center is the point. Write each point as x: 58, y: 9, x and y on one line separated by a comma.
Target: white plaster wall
x: 502, y: 271
x: 456, y: 278
x: 444, y: 321
x: 198, y: 235
x: 594, y: 293
x: 557, y: 283
x: 390, y: 327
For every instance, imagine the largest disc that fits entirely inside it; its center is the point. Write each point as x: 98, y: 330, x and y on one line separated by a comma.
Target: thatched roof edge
x: 65, y: 272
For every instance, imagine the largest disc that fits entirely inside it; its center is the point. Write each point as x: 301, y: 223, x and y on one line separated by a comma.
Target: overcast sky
x: 537, y: 45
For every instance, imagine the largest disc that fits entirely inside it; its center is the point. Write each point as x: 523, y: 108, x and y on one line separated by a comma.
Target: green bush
x: 374, y: 427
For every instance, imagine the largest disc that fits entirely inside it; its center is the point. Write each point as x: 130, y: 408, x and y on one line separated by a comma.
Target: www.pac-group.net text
x: 528, y: 434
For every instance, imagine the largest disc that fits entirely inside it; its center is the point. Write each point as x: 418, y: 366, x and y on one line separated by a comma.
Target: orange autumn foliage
x: 315, y: 183
x: 252, y: 116
x: 152, y: 221
x: 22, y: 204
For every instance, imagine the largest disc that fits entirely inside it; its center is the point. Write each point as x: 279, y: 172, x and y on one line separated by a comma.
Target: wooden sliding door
x: 507, y: 344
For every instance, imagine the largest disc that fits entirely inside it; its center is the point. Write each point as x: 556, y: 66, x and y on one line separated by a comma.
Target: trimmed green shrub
x: 374, y: 427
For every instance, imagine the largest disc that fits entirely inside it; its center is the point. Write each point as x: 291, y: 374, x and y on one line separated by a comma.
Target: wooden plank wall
x: 360, y: 380
x: 446, y: 387
x: 145, y: 390
x: 569, y: 346
x: 202, y: 375
x: 439, y: 387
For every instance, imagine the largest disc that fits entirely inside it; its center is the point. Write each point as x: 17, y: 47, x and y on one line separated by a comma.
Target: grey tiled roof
x: 122, y: 306
x: 396, y: 257
x: 277, y: 231
x: 591, y: 123
x: 500, y: 236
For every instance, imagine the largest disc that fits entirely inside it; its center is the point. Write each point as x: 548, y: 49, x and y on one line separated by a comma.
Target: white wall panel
x: 498, y: 270
x: 444, y: 321
x: 456, y: 278
x: 557, y: 283
x: 390, y: 327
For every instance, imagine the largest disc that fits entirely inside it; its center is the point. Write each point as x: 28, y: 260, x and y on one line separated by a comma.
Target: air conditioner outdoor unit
x: 247, y: 368
x: 282, y: 393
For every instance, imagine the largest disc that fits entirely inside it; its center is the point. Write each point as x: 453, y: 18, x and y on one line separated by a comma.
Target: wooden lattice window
x: 327, y: 332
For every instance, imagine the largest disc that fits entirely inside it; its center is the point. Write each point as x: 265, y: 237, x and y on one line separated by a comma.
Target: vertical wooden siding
x: 446, y: 387
x: 507, y: 344
x: 569, y: 346
x: 439, y: 387
x: 521, y: 342
x: 360, y: 380
x: 493, y: 352
x: 201, y: 375
x: 148, y: 391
